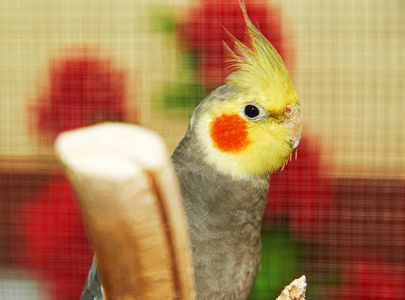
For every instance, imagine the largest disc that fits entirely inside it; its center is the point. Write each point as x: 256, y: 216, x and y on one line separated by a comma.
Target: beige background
x: 350, y: 70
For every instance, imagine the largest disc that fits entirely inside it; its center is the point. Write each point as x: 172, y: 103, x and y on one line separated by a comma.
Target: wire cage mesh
x: 335, y: 214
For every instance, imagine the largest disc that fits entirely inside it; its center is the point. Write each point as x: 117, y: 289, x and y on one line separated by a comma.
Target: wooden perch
x: 133, y: 210
x: 295, y: 290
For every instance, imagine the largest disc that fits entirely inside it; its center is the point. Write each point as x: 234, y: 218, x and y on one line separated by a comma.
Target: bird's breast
x: 224, y: 218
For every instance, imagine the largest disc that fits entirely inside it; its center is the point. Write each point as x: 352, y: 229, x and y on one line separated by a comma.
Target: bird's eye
x: 251, y: 111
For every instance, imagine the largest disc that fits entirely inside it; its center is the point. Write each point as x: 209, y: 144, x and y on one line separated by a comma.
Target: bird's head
x: 250, y: 126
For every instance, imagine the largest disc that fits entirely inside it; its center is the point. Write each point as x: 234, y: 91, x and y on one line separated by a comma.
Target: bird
x: 238, y: 135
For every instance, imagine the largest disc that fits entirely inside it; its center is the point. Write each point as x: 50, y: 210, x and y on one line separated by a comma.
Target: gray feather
x: 224, y: 217
x: 92, y: 289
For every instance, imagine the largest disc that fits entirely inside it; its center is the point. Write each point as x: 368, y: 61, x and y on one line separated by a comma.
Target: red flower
x: 56, y: 246
x: 300, y: 195
x: 371, y: 280
x: 83, y: 90
x: 203, y: 33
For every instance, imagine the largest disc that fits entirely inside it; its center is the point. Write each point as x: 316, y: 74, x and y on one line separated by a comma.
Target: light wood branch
x: 133, y: 210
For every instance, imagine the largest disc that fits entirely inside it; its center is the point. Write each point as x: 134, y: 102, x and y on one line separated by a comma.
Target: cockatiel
x: 242, y: 132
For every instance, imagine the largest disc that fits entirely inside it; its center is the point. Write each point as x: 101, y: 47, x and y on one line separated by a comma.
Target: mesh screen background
x: 336, y: 214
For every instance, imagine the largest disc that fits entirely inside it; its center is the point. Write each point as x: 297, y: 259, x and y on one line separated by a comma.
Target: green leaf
x: 279, y: 263
x: 184, y: 95
x: 163, y: 21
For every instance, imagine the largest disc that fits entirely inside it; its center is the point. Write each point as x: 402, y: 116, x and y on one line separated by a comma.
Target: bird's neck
x: 234, y: 205
x: 216, y: 200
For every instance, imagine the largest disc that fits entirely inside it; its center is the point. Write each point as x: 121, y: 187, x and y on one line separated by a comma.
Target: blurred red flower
x: 371, y: 280
x: 55, y: 244
x: 84, y: 90
x: 301, y: 195
x: 203, y: 32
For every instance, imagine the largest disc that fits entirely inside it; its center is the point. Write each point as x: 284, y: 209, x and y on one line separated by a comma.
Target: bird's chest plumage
x: 224, y: 217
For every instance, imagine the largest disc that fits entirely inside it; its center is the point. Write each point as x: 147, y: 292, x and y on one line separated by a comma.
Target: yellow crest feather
x: 256, y: 63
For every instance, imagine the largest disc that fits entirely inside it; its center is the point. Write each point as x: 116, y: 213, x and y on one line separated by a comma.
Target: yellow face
x: 250, y: 135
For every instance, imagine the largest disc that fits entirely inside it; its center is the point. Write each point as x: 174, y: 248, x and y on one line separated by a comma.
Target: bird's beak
x: 293, y: 124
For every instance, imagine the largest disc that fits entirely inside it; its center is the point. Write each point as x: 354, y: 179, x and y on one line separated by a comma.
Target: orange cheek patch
x: 229, y: 133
